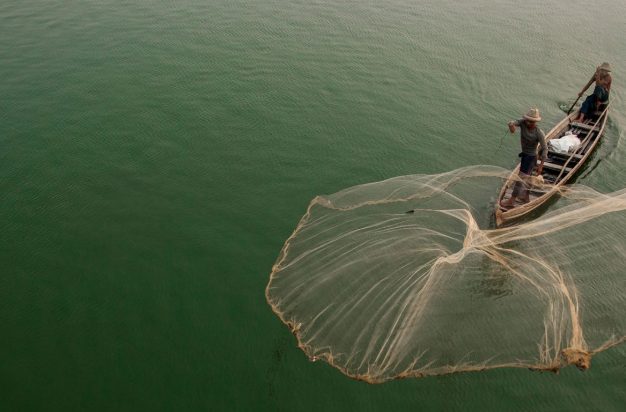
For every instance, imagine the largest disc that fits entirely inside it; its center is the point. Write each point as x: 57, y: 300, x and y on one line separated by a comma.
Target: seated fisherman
x: 599, y: 97
x: 601, y: 70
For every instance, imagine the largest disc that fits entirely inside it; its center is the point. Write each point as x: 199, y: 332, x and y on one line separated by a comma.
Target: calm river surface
x: 155, y: 155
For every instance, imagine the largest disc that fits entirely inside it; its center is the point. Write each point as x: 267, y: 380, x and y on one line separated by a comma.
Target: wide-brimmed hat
x: 533, y: 115
x: 605, y: 66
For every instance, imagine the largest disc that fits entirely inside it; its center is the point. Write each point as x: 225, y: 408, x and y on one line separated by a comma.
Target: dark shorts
x: 589, y: 106
x: 528, y: 163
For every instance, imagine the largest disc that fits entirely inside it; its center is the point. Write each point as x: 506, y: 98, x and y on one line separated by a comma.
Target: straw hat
x: 605, y: 66
x: 533, y: 115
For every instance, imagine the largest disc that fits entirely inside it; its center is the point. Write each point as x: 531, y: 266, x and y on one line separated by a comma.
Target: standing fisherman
x: 530, y: 136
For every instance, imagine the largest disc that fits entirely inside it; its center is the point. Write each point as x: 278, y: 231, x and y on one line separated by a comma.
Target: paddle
x: 575, y: 101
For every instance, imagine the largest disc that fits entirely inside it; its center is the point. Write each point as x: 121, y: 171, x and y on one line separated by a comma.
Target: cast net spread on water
x: 383, y: 294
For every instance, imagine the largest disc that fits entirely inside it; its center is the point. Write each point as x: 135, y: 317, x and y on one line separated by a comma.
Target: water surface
x: 154, y: 156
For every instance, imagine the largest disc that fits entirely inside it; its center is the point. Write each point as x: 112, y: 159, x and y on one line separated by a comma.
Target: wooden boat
x: 558, y: 168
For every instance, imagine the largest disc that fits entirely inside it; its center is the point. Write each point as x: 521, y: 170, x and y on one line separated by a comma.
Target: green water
x: 155, y: 155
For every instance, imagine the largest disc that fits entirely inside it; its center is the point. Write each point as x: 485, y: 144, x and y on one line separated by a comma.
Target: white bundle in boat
x: 566, y: 144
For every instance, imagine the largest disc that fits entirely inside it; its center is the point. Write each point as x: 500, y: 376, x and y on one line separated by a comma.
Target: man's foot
x: 508, y: 204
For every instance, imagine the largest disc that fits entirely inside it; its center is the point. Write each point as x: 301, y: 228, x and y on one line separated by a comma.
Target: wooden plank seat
x: 582, y: 126
x: 564, y: 156
x: 555, y: 167
x: 580, y: 132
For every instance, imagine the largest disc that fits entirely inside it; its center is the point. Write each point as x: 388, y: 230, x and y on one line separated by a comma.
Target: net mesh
x: 383, y: 294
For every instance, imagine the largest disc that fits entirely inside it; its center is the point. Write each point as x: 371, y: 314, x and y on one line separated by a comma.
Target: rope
x: 501, y: 141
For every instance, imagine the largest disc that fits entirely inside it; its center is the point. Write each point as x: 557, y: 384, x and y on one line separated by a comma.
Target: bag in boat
x: 566, y: 144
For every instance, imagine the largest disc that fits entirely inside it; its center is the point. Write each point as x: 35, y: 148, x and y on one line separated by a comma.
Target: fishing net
x: 403, y: 278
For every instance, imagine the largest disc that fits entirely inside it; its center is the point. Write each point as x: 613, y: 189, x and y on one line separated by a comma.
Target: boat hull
x: 557, y: 175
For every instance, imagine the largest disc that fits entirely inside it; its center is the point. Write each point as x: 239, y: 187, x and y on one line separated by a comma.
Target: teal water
x: 154, y: 156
